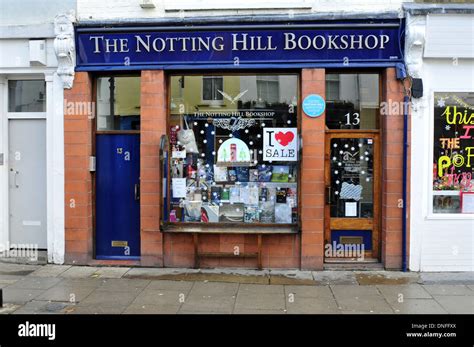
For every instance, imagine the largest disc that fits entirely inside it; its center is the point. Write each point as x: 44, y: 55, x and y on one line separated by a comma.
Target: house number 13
x: 355, y: 119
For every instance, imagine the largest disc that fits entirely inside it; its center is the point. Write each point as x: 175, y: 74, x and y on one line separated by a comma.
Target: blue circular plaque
x: 314, y: 105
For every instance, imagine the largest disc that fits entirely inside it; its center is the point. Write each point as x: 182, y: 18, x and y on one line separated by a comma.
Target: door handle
x: 328, y: 195
x: 137, y: 191
x: 16, y: 172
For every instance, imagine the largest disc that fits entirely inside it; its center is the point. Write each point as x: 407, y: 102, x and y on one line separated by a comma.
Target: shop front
x: 250, y: 145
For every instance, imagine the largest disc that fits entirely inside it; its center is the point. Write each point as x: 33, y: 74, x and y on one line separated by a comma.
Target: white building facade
x: 440, y: 52
x: 35, y: 65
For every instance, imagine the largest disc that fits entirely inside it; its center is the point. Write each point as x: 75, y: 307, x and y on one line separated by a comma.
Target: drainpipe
x: 406, y: 100
x: 402, y: 76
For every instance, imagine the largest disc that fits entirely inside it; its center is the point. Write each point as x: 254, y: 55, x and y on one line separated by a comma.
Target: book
x: 242, y: 174
x: 234, y: 194
x: 251, y: 214
x: 267, y: 212
x: 283, y: 213
x: 220, y: 174
x: 225, y: 195
x: 216, y: 194
x: 264, y: 173
x: 253, y: 175
x: 281, y: 195
x: 232, y: 174
x: 231, y: 213
x: 209, y: 213
x: 280, y: 173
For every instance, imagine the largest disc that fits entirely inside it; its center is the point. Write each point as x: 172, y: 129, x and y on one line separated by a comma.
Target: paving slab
x: 261, y: 289
x: 50, y: 270
x: 151, y: 309
x: 360, y: 299
x: 156, y: 273
x: 447, y: 277
x: 214, y: 288
x: 109, y: 298
x: 417, y: 306
x: 208, y: 303
x: 20, y: 296
x: 17, y: 269
x: 79, y: 272
x: 160, y: 297
x: 334, y: 277
x: 180, y: 286
x: 29, y: 282
x: 123, y: 285
x: 305, y: 305
x: 291, y: 277
x: 258, y: 301
x: 95, y: 309
x: 82, y: 282
x: 448, y: 289
x: 308, y: 291
x: 456, y: 303
x: 64, y: 293
x: 385, y: 277
x: 42, y: 307
x: 9, y: 308
x: 110, y: 272
x: 394, y: 293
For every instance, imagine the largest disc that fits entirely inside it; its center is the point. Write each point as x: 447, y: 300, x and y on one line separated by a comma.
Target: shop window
x: 118, y: 103
x: 453, y: 156
x: 352, y: 101
x: 27, y: 96
x: 238, y: 163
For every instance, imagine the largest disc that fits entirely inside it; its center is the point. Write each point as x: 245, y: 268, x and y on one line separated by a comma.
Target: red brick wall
x: 78, y: 180
x: 312, y: 176
x: 176, y: 250
x: 153, y: 103
x: 392, y: 163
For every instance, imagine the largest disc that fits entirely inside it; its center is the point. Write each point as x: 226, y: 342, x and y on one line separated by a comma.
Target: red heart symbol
x: 284, y: 138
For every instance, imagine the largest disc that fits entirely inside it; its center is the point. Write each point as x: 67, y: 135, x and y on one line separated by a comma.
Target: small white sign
x: 351, y: 209
x: 280, y: 144
x: 179, y: 187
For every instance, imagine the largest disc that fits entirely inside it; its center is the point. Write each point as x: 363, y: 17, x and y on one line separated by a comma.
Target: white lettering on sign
x: 280, y: 144
x: 239, y: 42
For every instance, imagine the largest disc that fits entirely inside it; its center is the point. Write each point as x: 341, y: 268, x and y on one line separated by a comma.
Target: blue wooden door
x: 117, y: 196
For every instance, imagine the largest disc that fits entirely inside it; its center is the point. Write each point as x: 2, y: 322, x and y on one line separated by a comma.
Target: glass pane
x: 453, y: 150
x: 352, y: 168
x: 27, y: 96
x: 352, y: 101
x: 235, y: 160
x: 118, y: 103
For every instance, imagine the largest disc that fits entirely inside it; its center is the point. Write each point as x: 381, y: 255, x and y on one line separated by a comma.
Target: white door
x: 27, y: 182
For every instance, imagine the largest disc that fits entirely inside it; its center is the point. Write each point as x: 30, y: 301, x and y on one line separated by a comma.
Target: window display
x: 233, y: 149
x: 453, y: 157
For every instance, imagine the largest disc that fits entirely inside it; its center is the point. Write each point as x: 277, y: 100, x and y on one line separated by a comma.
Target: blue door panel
x: 117, y: 199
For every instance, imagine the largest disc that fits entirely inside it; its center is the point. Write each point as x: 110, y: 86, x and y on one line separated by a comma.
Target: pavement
x: 64, y: 289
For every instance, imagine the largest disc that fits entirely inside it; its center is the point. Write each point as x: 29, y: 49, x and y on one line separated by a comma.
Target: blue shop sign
x: 238, y: 47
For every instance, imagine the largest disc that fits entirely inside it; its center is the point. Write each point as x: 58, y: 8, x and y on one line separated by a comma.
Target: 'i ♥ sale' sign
x: 280, y: 144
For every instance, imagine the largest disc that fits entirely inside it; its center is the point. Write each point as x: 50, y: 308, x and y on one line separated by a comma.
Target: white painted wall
x: 95, y: 10
x: 437, y: 242
x: 17, y: 27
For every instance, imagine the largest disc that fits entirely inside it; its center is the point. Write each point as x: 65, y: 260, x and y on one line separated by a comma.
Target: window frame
x: 430, y: 155
x: 25, y: 115
x: 95, y: 84
x: 378, y: 119
x: 217, y: 227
